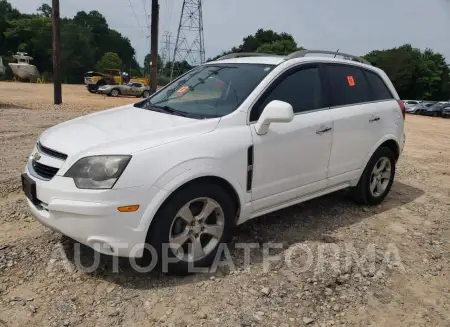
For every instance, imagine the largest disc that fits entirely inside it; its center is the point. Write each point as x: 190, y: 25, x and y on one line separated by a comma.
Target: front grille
x: 50, y: 152
x: 44, y: 171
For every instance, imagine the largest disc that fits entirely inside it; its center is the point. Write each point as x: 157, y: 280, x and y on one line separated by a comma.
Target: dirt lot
x: 40, y: 285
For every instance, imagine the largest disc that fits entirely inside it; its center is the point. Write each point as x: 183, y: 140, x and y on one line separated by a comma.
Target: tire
x: 166, y: 219
x: 145, y: 94
x: 362, y: 193
x: 114, y: 93
x: 92, y: 88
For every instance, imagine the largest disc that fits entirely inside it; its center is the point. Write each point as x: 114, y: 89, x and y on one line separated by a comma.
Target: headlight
x: 98, y: 172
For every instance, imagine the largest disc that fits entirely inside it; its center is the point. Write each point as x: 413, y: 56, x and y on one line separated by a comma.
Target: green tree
x: 266, y: 41
x: 34, y: 34
x: 77, y: 53
x: 281, y: 47
x: 109, y: 60
x: 251, y: 43
x: 45, y: 10
x: 416, y: 74
x: 85, y: 38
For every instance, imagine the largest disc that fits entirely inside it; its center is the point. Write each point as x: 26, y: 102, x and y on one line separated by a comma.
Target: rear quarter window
x: 380, y: 91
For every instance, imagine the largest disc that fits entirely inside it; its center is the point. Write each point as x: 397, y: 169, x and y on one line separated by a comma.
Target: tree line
x: 415, y: 73
x: 88, y: 43
x: 85, y: 39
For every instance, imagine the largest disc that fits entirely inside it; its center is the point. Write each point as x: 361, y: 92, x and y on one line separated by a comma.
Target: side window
x: 302, y: 89
x: 348, y: 85
x: 137, y: 85
x: 379, y: 89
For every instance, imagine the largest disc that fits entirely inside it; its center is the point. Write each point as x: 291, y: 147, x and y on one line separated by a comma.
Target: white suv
x: 229, y: 141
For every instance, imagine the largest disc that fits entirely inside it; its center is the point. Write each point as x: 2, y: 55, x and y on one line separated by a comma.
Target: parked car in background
x: 435, y: 110
x: 429, y: 103
x: 446, y: 110
x: 411, y: 103
x: 416, y: 109
x: 134, y: 89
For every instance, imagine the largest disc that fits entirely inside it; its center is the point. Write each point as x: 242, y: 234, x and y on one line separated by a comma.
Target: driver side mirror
x: 275, y: 112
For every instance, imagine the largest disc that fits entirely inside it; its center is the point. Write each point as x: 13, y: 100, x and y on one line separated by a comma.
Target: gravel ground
x: 368, y: 266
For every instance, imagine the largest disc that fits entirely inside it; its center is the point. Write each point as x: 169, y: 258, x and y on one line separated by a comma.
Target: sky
x: 353, y: 26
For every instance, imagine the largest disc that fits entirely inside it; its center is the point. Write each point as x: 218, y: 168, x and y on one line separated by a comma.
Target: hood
x: 122, y: 130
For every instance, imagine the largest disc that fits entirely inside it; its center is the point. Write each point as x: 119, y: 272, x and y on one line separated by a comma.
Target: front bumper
x: 91, y: 217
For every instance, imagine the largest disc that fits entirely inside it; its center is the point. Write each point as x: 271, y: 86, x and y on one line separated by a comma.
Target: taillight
x: 402, y: 107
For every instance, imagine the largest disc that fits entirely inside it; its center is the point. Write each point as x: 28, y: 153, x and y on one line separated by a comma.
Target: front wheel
x: 188, y: 230
x: 377, y: 178
x: 114, y: 92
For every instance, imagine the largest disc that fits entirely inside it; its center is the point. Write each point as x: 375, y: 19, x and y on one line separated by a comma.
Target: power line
x: 137, y: 20
x: 146, y: 15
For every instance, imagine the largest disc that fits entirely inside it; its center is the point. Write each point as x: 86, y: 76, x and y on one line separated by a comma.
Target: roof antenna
x: 336, y: 53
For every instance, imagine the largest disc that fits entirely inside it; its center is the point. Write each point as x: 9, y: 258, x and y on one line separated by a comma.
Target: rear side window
x: 348, y: 85
x: 379, y: 89
x: 301, y: 89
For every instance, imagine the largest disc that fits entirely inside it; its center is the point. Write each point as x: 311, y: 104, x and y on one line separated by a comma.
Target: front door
x: 291, y: 160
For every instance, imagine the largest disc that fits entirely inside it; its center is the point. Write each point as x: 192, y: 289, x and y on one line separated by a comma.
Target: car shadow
x: 312, y: 221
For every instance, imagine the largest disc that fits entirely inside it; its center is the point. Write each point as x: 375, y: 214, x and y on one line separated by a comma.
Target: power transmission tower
x: 166, y: 50
x: 189, y: 45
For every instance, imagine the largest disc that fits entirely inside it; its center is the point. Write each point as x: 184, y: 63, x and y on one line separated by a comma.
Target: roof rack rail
x: 246, y: 54
x: 303, y: 53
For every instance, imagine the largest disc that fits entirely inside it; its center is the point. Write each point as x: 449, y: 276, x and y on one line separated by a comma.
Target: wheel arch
x: 211, y: 178
x: 390, y: 142
x: 200, y: 174
x: 392, y: 145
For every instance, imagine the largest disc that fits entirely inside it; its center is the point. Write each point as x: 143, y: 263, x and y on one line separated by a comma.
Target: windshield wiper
x: 169, y: 110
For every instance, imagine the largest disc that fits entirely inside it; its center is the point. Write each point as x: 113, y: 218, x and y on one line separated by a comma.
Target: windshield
x: 209, y: 91
x: 436, y: 106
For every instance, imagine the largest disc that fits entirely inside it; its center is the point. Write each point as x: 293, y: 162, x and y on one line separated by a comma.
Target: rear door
x: 362, y: 108
x: 291, y: 160
x: 135, y: 89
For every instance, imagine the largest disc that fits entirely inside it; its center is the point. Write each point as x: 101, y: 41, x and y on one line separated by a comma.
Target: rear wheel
x: 191, y: 225
x: 145, y: 94
x: 377, y: 178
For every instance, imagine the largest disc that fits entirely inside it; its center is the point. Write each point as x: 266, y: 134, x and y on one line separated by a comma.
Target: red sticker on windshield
x: 351, y: 81
x: 183, y: 89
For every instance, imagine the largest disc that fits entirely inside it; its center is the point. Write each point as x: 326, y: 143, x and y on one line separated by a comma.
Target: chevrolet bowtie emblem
x: 37, y: 156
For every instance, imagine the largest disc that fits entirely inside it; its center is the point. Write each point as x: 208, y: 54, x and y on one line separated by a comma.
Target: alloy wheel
x: 380, y: 177
x: 196, y: 229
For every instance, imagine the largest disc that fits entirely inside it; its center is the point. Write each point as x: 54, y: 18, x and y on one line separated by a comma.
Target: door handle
x: 323, y: 129
x: 374, y: 119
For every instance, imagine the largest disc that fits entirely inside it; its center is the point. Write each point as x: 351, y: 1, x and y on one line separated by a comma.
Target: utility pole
x: 56, y: 32
x: 154, y: 46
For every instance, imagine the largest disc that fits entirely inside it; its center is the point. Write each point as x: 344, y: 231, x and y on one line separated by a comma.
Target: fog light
x: 131, y: 208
